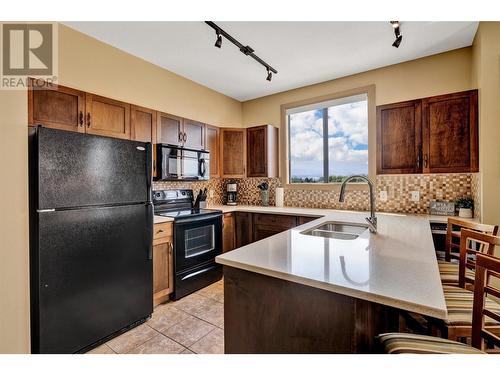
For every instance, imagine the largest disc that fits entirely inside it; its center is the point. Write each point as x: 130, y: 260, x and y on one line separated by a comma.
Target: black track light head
x: 218, y: 42
x: 397, y: 32
x: 398, y: 40
x: 269, y: 75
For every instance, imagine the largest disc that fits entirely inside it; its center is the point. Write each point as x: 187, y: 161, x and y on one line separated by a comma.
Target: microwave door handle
x: 203, y: 167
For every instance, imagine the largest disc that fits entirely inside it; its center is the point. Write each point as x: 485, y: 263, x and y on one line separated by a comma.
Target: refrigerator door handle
x: 46, y: 210
x: 149, y: 231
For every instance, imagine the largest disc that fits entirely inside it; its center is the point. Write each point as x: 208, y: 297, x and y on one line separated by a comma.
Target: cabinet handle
x: 81, y: 118
x: 170, y: 247
x: 180, y: 137
x: 425, y: 160
x: 160, y: 231
x: 418, y: 161
x: 185, y: 137
x: 88, y: 119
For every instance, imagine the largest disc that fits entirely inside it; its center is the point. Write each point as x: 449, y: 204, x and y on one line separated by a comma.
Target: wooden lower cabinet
x: 306, y: 219
x: 163, y: 262
x: 250, y: 227
x: 266, y: 225
x: 243, y: 228
x: 228, y: 240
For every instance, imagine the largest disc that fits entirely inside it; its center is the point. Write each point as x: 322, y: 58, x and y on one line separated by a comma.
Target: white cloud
x: 348, y: 128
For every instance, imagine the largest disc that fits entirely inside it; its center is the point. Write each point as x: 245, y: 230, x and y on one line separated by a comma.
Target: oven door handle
x: 188, y: 276
x: 199, y: 218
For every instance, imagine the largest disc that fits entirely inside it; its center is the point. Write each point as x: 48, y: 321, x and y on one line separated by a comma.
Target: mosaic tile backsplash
x: 446, y: 187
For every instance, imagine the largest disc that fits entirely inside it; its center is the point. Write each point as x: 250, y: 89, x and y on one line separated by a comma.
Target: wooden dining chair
x: 449, y: 268
x: 459, y: 301
x: 484, y: 338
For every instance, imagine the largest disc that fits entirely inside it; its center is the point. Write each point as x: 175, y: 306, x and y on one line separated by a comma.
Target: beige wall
x: 486, y: 75
x: 14, y: 296
x: 90, y: 65
x: 438, y: 74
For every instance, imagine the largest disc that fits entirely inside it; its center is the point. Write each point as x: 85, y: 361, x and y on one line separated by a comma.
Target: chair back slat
x: 473, y: 243
x: 453, y: 241
x: 487, y: 268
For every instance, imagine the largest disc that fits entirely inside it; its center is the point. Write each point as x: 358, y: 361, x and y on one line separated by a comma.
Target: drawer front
x: 284, y: 221
x: 162, y: 230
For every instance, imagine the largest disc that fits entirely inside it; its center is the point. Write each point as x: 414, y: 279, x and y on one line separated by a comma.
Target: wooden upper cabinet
x: 193, y: 134
x: 169, y: 129
x: 212, y: 144
x: 142, y: 124
x: 450, y: 133
x: 107, y: 117
x: 57, y: 107
x: 399, y: 138
x: 262, y: 151
x: 438, y: 134
x: 233, y: 152
x: 143, y: 128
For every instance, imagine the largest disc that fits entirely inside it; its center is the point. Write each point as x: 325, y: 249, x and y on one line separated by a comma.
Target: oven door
x: 197, y: 240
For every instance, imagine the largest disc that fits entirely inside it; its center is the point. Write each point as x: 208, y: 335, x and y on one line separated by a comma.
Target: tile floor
x: 194, y: 324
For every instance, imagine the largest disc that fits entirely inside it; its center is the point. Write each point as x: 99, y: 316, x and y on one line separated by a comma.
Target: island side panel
x: 264, y: 314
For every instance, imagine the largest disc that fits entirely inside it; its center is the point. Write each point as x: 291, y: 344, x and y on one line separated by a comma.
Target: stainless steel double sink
x: 337, y: 229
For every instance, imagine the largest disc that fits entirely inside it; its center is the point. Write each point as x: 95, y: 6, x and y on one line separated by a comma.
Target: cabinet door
x: 262, y: 151
x: 243, y: 232
x: 169, y: 129
x: 194, y: 134
x: 263, y: 231
x: 163, y: 278
x: 306, y: 219
x: 233, y: 152
x: 257, y: 151
x: 228, y: 229
x: 450, y: 134
x: 142, y: 124
x: 107, y: 117
x: 143, y: 128
x: 57, y: 107
x: 212, y: 144
x: 399, y: 138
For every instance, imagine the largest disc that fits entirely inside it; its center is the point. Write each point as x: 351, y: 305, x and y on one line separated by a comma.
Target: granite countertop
x: 395, y: 267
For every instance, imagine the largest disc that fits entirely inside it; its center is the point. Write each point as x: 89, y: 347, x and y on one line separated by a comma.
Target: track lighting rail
x: 246, y: 50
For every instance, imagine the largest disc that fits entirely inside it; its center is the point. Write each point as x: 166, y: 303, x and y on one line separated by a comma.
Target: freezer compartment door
x: 94, y: 275
x: 77, y: 170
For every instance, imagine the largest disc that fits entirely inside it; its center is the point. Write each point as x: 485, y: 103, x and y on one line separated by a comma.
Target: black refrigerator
x: 91, y: 227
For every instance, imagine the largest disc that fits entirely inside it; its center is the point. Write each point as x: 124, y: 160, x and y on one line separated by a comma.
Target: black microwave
x: 179, y: 163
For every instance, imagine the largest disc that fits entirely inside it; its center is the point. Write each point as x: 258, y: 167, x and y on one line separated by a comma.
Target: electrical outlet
x: 415, y: 195
x: 383, y: 195
x: 211, y: 193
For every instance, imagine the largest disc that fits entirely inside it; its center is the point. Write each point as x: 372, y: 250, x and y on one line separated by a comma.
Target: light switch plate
x: 383, y: 195
x: 415, y: 195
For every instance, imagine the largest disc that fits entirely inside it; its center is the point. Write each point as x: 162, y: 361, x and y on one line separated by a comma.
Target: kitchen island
x: 297, y: 293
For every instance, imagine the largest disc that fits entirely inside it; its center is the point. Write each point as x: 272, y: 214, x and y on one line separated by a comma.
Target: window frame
x: 285, y: 139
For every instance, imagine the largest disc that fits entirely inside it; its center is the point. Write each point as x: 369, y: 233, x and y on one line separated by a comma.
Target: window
x: 328, y: 141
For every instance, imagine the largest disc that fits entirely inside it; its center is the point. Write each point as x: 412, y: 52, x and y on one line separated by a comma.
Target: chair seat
x: 401, y: 343
x: 459, y: 305
x: 449, y: 273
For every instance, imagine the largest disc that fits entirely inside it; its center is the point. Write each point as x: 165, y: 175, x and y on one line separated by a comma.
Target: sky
x: 347, y: 141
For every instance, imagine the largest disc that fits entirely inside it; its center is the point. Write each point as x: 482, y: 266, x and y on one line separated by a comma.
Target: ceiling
x: 303, y: 52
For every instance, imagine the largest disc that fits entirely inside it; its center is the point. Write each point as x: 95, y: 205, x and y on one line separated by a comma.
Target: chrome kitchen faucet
x: 372, y: 220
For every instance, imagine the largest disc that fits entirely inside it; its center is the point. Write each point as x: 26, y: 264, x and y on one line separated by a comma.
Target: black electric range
x: 197, y: 240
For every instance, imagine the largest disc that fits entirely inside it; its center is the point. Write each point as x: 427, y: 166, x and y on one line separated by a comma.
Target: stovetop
x: 188, y: 212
